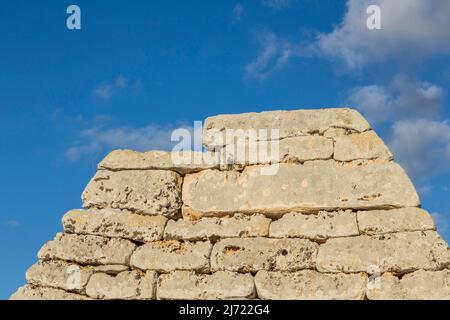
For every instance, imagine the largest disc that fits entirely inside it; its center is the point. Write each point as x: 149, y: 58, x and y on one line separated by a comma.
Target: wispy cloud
x: 274, y: 55
x: 442, y: 221
x: 410, y: 29
x: 404, y: 98
x: 13, y: 224
x: 102, y: 138
x: 108, y: 89
x: 277, y: 4
x: 238, y: 12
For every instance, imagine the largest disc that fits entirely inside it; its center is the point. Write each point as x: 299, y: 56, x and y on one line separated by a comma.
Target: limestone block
x: 125, y: 285
x: 313, y: 186
x: 219, y: 285
x: 181, y: 162
x: 396, y: 220
x: 397, y: 252
x: 419, y: 285
x: 30, y: 292
x: 166, y: 256
x: 318, y: 227
x: 254, y: 254
x: 59, y: 274
x: 296, y: 149
x: 210, y: 228
x: 110, y: 268
x: 87, y: 249
x: 289, y: 123
x: 366, y: 145
x: 115, y: 223
x: 310, y: 285
x: 150, y: 192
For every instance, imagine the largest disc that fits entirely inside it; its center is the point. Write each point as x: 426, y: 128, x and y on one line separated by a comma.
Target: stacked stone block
x: 339, y: 220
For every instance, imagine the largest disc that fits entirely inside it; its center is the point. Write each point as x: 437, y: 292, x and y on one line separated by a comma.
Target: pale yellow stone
x: 227, y: 227
x: 182, y: 162
x: 310, y: 285
x: 313, y: 186
x: 125, y: 285
x: 179, y: 285
x: 366, y: 145
x: 87, y: 249
x: 59, y: 274
x: 169, y: 255
x: 115, y: 223
x: 419, y: 285
x: 253, y: 254
x: 318, y: 227
x: 30, y: 292
x: 400, y: 252
x: 386, y: 221
x: 152, y: 192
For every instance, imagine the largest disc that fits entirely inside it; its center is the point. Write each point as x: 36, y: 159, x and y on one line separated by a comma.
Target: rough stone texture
x: 419, y: 285
x: 30, y: 292
x: 296, y: 150
x: 59, y: 274
x: 219, y: 285
x: 150, y: 192
x: 386, y: 221
x: 317, y: 227
x: 289, y: 123
x: 210, y: 228
x: 115, y: 223
x: 397, y: 252
x: 309, y: 285
x: 111, y: 268
x: 366, y: 145
x: 310, y: 187
x: 166, y: 256
x: 125, y: 285
x: 87, y: 249
x: 185, y: 162
x: 253, y: 254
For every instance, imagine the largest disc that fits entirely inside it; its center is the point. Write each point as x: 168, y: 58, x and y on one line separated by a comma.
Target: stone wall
x: 338, y: 220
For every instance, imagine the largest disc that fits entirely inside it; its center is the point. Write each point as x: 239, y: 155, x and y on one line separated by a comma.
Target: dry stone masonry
x: 338, y: 220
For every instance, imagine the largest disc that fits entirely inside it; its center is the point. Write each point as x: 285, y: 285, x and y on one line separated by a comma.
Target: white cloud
x: 238, y: 12
x: 410, y: 29
x: 101, y: 138
x: 276, y: 4
x: 403, y: 98
x: 107, y: 90
x: 274, y: 54
x: 421, y: 146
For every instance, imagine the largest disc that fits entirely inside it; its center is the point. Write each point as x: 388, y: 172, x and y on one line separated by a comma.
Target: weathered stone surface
x: 30, y: 292
x: 289, y: 123
x: 125, y: 285
x: 111, y: 268
x: 181, y: 162
x: 318, y: 227
x: 312, y: 186
x: 150, y: 192
x: 253, y: 254
x: 366, y: 145
x: 309, y: 285
x: 59, y: 274
x: 296, y: 149
x: 115, y: 223
x: 397, y: 252
x: 87, y: 249
x: 227, y: 227
x: 219, y: 285
x: 395, y: 220
x: 166, y: 256
x: 419, y: 285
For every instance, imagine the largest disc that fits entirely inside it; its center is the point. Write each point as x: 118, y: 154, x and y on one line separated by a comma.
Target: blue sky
x: 137, y: 70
